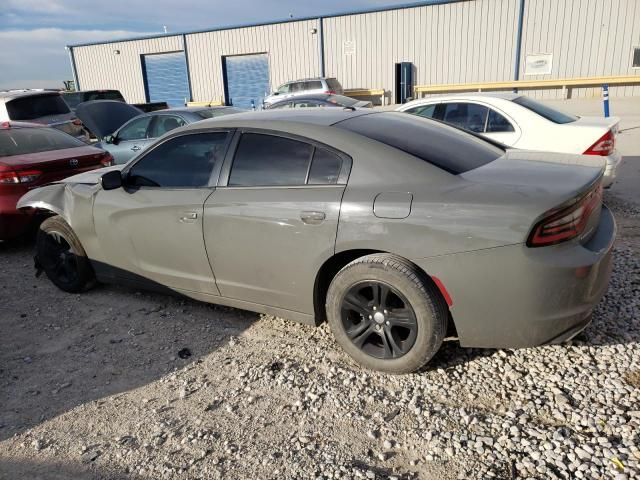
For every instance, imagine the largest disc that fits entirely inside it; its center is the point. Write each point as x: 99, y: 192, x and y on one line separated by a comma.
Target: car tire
x: 61, y: 256
x: 399, y: 310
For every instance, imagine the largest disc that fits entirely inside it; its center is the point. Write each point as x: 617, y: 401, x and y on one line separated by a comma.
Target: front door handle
x: 189, y: 216
x: 312, y: 217
x: 135, y: 148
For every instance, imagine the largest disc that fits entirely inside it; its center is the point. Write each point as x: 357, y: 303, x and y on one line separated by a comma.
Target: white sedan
x: 521, y: 122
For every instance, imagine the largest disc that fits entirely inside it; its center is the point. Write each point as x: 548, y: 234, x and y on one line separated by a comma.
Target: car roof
x: 316, y: 116
x: 478, y: 95
x: 11, y: 94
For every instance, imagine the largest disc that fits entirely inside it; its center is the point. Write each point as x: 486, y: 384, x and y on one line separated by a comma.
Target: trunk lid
x: 103, y: 117
x: 605, y: 123
x: 57, y: 164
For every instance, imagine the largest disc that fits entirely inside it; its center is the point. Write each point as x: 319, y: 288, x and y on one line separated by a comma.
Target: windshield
x: 334, y: 84
x: 556, y: 116
x: 446, y: 147
x: 217, y: 112
x: 20, y: 141
x: 36, y: 106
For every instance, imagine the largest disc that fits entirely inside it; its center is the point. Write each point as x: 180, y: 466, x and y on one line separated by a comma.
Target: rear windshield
x: 334, y: 84
x: 556, y: 116
x: 444, y: 146
x: 36, y: 106
x: 342, y: 100
x: 20, y: 141
x: 74, y: 98
x: 217, y: 112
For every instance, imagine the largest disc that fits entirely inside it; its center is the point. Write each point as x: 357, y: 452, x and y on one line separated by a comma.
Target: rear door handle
x: 135, y: 148
x: 312, y: 217
x: 189, y: 216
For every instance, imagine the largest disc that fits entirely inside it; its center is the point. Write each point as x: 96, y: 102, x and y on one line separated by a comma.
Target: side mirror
x: 111, y: 180
x: 111, y: 139
x: 276, y: 93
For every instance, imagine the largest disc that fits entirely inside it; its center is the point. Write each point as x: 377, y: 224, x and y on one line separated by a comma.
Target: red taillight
x: 106, y: 160
x: 16, y: 178
x: 330, y: 92
x: 76, y: 122
x: 567, y: 222
x: 604, y: 146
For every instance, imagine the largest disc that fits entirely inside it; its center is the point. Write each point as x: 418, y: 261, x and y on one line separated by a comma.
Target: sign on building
x: 538, y: 64
x: 348, y: 47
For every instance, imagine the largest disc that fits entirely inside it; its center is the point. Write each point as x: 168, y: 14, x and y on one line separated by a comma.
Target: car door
x: 130, y: 139
x: 273, y: 218
x: 151, y: 229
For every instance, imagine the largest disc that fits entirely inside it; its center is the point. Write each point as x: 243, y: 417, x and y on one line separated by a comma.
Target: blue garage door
x: 166, y: 78
x: 247, y: 79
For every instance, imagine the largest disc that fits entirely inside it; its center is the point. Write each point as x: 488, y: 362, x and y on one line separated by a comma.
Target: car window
x: 423, y: 110
x: 307, y: 104
x: 556, y: 116
x: 469, y: 116
x: 165, y: 123
x: 35, y: 106
x: 268, y: 160
x: 296, y: 87
x: 313, y: 85
x: 282, y: 105
x: 334, y: 84
x: 184, y: 161
x: 342, y: 101
x: 136, y: 129
x: 445, y: 147
x: 325, y: 167
x: 284, y: 88
x: 20, y: 141
x: 498, y: 123
x: 73, y: 99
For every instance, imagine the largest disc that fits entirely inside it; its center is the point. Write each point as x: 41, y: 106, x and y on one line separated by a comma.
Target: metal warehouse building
x: 552, y: 47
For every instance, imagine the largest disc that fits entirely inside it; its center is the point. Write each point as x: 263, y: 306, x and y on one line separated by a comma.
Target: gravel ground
x: 123, y: 384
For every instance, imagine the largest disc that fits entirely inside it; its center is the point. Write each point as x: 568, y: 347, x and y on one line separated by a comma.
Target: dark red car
x: 32, y: 155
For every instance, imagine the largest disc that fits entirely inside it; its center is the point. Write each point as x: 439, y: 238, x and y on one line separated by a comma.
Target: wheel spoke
x: 363, y: 335
x: 383, y: 295
x: 396, y: 350
x: 355, y: 302
x: 358, y: 330
x: 401, y: 318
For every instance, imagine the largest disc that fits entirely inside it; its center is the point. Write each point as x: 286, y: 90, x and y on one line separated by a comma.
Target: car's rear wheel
x: 386, y: 314
x: 61, y: 256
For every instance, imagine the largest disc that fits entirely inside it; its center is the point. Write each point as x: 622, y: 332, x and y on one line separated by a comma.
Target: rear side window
x: 313, y: 85
x: 36, y: 106
x: 441, y: 145
x: 20, y: 141
x: 551, y: 114
x: 186, y: 161
x: 325, y: 168
x: 268, y: 160
x: 282, y: 105
x: 296, y: 87
x: 334, y: 85
x: 496, y: 123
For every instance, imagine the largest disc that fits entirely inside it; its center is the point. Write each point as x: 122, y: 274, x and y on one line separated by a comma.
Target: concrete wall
x: 457, y: 42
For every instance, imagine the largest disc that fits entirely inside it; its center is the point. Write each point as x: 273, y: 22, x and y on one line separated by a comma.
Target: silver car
x: 398, y: 230
x: 318, y: 85
x: 39, y: 106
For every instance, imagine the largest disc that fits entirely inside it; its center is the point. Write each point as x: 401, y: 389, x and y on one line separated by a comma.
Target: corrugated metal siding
x: 98, y: 66
x: 587, y: 38
x: 291, y: 47
x: 450, y: 43
x: 465, y: 41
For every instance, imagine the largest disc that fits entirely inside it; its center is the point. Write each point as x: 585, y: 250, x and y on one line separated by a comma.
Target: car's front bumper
x: 516, y: 296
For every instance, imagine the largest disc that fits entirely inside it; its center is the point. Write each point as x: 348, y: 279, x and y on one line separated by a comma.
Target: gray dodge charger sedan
x: 399, y: 231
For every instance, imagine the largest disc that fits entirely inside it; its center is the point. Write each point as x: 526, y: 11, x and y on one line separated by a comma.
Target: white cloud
x: 37, y: 58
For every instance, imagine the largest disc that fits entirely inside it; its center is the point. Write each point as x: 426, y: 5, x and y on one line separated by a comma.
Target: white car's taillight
x: 604, y: 146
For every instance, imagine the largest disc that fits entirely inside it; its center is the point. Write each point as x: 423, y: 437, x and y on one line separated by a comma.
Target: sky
x: 34, y: 33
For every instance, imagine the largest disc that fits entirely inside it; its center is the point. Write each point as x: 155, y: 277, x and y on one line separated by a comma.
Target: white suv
x: 304, y: 87
x: 40, y: 106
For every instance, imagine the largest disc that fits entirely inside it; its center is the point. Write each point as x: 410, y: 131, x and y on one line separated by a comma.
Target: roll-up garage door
x: 165, y: 77
x: 246, y: 79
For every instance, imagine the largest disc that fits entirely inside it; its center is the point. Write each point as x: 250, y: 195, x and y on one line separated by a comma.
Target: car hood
x: 103, y: 117
x: 92, y: 177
